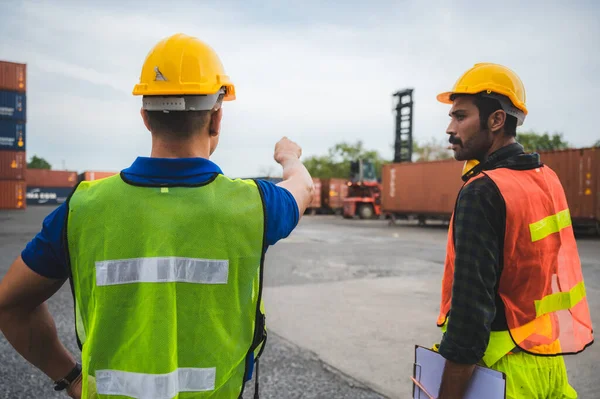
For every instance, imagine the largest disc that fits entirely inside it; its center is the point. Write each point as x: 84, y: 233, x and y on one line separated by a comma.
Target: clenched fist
x: 285, y: 150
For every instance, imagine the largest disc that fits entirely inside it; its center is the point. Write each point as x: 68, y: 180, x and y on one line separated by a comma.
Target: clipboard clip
x: 417, y: 384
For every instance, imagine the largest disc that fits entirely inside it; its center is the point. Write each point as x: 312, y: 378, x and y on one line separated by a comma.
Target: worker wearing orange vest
x: 513, y: 296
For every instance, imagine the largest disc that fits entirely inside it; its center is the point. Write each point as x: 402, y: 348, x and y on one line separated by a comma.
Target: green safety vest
x: 499, y: 345
x: 167, y: 284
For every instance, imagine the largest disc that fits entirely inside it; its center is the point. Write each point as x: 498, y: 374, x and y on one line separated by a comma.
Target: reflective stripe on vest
x: 541, y: 284
x: 167, y: 286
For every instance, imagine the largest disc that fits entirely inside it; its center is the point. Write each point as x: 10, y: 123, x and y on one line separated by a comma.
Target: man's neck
x: 192, y: 148
x: 501, y: 142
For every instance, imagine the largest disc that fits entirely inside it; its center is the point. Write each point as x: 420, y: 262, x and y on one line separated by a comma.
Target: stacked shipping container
x: 49, y: 187
x: 333, y: 192
x: 315, y: 204
x: 429, y: 189
x: 579, y: 173
x: 13, y: 117
x: 94, y: 175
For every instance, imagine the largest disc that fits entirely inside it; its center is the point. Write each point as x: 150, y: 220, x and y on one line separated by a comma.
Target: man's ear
x: 145, y: 118
x: 215, y: 122
x: 496, y: 120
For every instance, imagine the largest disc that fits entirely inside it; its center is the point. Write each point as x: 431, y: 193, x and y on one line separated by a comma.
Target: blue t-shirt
x: 45, y: 254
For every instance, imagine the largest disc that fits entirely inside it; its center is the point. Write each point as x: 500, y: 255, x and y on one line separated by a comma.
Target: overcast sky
x: 319, y: 74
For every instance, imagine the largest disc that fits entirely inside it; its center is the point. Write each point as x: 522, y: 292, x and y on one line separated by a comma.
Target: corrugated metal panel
x: 316, y: 200
x: 13, y: 105
x: 13, y: 165
x: 421, y: 187
x: 578, y: 171
x: 94, y: 175
x: 13, y: 76
x: 47, y: 195
x: 51, y: 178
x: 333, y: 192
x: 12, y: 194
x: 12, y: 135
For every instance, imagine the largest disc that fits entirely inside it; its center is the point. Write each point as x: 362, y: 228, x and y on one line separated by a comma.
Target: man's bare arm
x: 455, y: 380
x: 296, y: 178
x: 26, y: 322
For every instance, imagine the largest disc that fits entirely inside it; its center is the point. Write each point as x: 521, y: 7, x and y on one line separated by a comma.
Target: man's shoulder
x: 482, y: 184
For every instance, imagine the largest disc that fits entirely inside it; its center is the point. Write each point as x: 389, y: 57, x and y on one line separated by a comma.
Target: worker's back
x: 167, y: 282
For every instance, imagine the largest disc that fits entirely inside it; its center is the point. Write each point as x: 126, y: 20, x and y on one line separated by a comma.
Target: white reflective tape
x: 162, y: 270
x: 155, y: 386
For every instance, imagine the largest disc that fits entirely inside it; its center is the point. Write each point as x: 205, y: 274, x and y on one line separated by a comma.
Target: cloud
x: 317, y: 73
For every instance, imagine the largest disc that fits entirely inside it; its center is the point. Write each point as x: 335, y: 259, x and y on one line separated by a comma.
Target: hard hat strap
x: 507, y: 107
x: 183, y: 103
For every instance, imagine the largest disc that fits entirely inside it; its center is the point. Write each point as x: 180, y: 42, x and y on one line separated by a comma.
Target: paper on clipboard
x: 428, y: 369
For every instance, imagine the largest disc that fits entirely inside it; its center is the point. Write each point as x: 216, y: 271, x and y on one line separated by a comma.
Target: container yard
x: 353, y: 288
x: 13, y: 118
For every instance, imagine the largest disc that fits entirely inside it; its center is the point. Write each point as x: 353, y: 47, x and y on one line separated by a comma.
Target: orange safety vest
x: 541, y: 284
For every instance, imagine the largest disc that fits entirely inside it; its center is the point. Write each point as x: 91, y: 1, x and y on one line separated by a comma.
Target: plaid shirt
x: 479, y: 222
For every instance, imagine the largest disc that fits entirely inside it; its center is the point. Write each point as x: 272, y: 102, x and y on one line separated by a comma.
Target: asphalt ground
x: 346, y: 302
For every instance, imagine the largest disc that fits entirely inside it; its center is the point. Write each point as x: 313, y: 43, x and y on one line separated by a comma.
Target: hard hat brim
x: 445, y: 97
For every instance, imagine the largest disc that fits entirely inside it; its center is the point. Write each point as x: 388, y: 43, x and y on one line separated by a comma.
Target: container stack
x: 49, y: 187
x: 90, y: 175
x: 13, y: 161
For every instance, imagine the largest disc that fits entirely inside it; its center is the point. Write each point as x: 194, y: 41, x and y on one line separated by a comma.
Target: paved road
x: 366, y: 293
x: 346, y: 303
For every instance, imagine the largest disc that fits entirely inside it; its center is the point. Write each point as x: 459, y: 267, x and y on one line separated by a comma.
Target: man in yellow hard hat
x: 165, y: 260
x: 513, y: 296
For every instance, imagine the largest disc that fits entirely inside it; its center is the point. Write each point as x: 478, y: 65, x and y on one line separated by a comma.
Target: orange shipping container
x: 94, y: 175
x: 316, y: 200
x: 579, y: 174
x: 12, y: 194
x: 421, y: 188
x: 333, y: 192
x: 13, y: 76
x: 13, y: 165
x: 51, y: 178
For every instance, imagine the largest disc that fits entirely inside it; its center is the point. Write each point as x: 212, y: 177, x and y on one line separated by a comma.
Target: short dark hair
x: 486, y: 107
x: 178, y: 124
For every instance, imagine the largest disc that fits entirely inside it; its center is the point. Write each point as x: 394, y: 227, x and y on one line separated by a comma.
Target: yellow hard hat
x: 182, y: 65
x: 491, y: 79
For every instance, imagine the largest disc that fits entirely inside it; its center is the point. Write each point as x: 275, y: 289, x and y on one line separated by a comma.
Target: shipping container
x: 421, y: 189
x: 47, y: 195
x: 13, y: 165
x: 579, y: 173
x: 13, y: 76
x: 51, y: 178
x: 12, y: 105
x: 333, y: 192
x: 12, y: 194
x: 94, y: 175
x: 12, y: 135
x: 316, y: 199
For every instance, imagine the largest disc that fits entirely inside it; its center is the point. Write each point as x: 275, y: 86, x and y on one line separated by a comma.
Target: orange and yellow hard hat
x: 492, y: 80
